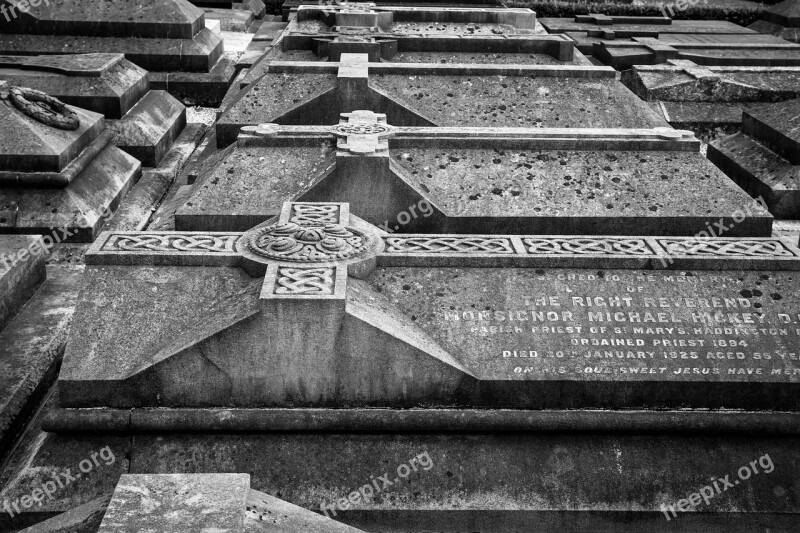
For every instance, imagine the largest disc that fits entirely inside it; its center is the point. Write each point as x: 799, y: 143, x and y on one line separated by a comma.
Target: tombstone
x: 764, y: 158
x: 145, y: 122
x: 60, y: 175
x: 473, y: 180
x: 477, y: 332
x: 782, y: 20
x: 34, y: 319
x: 705, y: 99
x: 232, y: 16
x: 416, y: 33
x: 167, y: 38
x: 445, y: 95
x: 289, y: 8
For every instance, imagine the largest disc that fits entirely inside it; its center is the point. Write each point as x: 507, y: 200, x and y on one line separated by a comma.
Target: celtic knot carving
x: 725, y: 248
x: 359, y: 128
x: 487, y: 245
x: 171, y: 243
x: 43, y: 108
x: 299, y: 281
x: 310, y: 214
x: 292, y: 242
x: 587, y: 246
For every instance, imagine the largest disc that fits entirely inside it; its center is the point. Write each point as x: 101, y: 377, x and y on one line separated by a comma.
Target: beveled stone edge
x: 432, y: 420
x: 460, y: 69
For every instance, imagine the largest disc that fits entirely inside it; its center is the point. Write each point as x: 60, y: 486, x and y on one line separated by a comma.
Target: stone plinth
x: 168, y: 37
x: 59, y: 174
x: 475, y: 180
x: 150, y: 121
x: 453, y: 314
x: 437, y: 95
x: 764, y: 159
x: 782, y: 20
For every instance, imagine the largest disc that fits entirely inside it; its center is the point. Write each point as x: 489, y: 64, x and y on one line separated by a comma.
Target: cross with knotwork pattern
x: 327, y: 325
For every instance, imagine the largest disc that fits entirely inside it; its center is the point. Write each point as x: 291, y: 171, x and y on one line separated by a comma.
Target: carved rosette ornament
x: 359, y: 128
x: 43, y: 108
x: 307, y: 244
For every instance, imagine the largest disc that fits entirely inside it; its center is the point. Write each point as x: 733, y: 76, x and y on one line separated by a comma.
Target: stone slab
x: 674, y: 422
x: 688, y: 82
x: 613, y: 338
x: 104, y: 83
x: 487, y: 184
x: 167, y: 503
x: 777, y: 127
x: 502, y: 482
x: 138, y: 207
x: 627, y: 29
x: 77, y: 212
x: 622, y: 55
x: 42, y: 457
x: 148, y: 130
x: 788, y: 34
x: 21, y: 272
x: 174, y: 19
x: 193, y: 54
x: 31, y: 346
x: 37, y: 147
x: 443, y: 95
x: 584, y: 483
x: 83, y: 519
x: 198, y: 88
x: 760, y: 172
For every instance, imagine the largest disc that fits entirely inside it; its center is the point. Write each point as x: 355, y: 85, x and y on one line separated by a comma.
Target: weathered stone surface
x: 740, y: 52
x: 31, y: 346
x: 501, y: 482
x: 195, y: 54
x: 149, y: 129
x: 760, y: 172
x: 437, y: 95
x: 776, y: 127
x: 578, y: 340
x: 178, y: 503
x: 174, y: 19
x: 21, y: 272
x: 104, y: 83
x: 83, y: 519
x: 479, y: 180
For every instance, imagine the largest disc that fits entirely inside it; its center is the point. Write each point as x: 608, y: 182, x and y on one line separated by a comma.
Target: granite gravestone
x: 148, y: 121
x: 475, y: 180
x: 60, y: 175
x: 706, y: 98
x: 781, y: 20
x: 168, y: 38
x: 764, y: 158
x: 489, y: 320
x: 436, y: 95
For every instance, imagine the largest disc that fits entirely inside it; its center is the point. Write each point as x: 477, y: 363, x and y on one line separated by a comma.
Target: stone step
x: 759, y: 171
x: 777, y: 127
